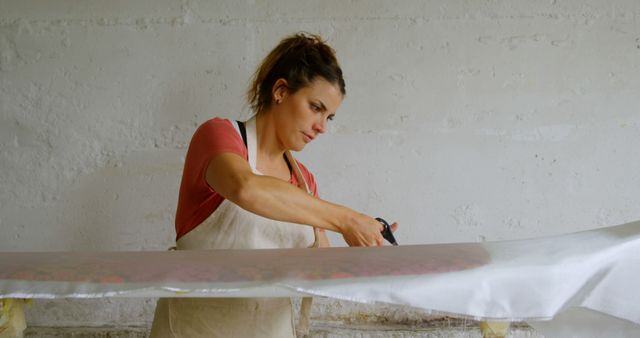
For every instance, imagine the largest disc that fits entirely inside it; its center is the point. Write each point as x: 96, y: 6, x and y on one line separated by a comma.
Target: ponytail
x: 298, y: 59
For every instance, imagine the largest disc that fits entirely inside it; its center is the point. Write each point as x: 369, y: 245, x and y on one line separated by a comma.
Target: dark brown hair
x: 298, y: 59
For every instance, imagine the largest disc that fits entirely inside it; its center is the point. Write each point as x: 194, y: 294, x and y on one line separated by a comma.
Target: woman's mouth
x: 307, y: 138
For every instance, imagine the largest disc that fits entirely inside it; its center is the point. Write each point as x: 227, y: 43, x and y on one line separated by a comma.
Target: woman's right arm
x: 230, y: 176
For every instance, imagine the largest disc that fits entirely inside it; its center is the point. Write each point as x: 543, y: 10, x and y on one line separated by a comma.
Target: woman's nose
x: 320, y: 126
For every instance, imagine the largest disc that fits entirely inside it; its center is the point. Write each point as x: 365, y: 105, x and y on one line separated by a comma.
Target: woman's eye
x: 315, y: 108
x: 330, y: 118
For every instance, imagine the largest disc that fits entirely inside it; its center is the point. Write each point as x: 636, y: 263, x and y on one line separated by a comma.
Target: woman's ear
x: 279, y: 90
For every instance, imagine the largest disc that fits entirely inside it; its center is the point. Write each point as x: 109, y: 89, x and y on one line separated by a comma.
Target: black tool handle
x: 386, y: 232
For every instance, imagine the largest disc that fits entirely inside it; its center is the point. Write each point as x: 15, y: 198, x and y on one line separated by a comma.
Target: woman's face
x: 303, y: 115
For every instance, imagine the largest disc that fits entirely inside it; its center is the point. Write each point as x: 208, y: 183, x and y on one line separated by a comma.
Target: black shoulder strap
x: 243, y: 132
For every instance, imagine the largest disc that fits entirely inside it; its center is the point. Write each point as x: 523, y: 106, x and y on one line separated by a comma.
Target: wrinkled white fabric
x: 530, y: 280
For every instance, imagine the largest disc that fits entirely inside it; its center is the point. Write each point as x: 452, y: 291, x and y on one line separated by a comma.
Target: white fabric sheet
x: 529, y: 280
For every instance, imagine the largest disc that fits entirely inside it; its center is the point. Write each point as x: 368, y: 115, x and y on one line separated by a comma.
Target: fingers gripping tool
x: 386, y: 231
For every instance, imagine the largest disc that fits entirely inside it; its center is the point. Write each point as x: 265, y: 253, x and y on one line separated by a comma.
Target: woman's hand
x: 362, y: 230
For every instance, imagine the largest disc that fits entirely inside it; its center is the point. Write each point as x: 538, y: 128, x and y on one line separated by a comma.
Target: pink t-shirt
x: 197, y: 199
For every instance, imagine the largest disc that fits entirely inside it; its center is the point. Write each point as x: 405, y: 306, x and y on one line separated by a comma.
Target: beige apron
x: 231, y: 227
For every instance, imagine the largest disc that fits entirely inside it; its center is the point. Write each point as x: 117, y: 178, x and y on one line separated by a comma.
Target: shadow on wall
x: 130, y: 202
x: 128, y: 206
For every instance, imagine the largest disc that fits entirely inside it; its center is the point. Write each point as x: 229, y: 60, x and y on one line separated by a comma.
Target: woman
x: 242, y: 189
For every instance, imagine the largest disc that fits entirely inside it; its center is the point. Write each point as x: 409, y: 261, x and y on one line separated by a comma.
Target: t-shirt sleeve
x: 215, y: 137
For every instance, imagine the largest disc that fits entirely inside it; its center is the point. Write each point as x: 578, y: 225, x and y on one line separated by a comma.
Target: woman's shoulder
x: 218, y: 135
x: 217, y: 127
x: 217, y: 123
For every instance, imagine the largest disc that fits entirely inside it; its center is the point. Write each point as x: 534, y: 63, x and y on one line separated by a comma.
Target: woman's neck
x: 269, y: 147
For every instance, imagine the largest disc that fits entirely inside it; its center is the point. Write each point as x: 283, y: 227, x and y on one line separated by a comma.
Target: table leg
x: 494, y: 329
x: 12, y: 322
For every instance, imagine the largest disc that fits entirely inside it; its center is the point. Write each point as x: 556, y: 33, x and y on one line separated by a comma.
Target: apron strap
x: 302, y: 183
x: 302, y: 329
x: 248, y: 132
x: 252, y: 142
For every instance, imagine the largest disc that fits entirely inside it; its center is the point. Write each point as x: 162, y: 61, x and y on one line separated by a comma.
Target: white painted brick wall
x: 464, y: 120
